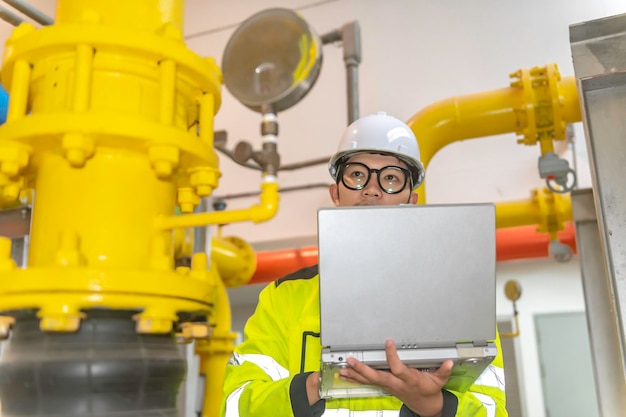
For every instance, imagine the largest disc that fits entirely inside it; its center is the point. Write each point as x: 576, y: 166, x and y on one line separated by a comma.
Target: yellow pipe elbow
x: 483, y: 114
x: 464, y: 117
x: 257, y: 213
x: 233, y: 257
x: 460, y: 118
x: 235, y: 260
x: 269, y: 203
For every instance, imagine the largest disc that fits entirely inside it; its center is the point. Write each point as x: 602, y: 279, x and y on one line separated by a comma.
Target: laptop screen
x: 423, y: 275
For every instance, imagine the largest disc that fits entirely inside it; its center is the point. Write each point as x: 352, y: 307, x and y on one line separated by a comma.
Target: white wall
x: 415, y: 52
x: 547, y: 287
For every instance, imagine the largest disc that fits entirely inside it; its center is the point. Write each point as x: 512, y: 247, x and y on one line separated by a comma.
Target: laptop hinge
x: 476, y: 343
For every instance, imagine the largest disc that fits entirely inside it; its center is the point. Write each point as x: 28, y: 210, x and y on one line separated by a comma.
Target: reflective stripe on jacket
x: 267, y: 373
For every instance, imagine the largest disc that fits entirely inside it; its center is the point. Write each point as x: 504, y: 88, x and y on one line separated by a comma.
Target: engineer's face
x: 372, y: 194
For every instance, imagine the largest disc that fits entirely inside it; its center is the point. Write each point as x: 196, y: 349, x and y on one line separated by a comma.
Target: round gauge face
x: 273, y: 59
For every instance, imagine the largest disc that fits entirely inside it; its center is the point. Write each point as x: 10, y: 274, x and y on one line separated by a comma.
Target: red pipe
x: 511, y: 243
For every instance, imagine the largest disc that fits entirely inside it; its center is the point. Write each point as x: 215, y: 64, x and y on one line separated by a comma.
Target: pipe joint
x: 268, y: 203
x: 351, y: 38
x: 541, y: 110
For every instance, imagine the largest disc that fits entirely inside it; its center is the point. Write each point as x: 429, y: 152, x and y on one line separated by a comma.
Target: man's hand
x: 418, y: 390
x: 313, y: 387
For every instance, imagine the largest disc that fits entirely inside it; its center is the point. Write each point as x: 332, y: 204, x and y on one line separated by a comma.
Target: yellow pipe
x: 515, y: 333
x: 544, y: 208
x: 235, y: 260
x: 265, y: 210
x: 570, y: 110
x: 215, y: 352
x: 479, y: 115
x: 233, y: 257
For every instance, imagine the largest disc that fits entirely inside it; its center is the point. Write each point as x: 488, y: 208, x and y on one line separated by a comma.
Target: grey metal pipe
x: 331, y: 37
x: 200, y: 233
x: 9, y: 16
x: 30, y: 11
x: 352, y: 77
x: 351, y: 37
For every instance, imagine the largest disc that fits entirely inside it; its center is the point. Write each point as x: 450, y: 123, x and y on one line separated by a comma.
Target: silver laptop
x: 422, y: 275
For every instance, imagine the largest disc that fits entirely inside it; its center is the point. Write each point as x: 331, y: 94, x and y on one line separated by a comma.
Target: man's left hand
x: 420, y: 391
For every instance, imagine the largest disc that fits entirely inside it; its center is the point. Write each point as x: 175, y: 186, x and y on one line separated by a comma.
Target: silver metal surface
x: 599, y: 55
x: 600, y: 306
x: 15, y: 223
x: 30, y: 11
x: 423, y: 275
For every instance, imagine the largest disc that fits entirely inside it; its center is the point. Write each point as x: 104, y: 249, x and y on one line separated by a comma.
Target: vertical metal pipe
x: 200, y: 233
x: 351, y: 37
x: 352, y: 76
x: 30, y: 11
x: 10, y: 17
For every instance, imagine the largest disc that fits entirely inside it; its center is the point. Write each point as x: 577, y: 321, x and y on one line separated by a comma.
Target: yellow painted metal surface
x: 548, y: 107
x: 548, y: 210
x: 265, y: 210
x: 215, y: 352
x: 234, y: 259
x: 111, y: 123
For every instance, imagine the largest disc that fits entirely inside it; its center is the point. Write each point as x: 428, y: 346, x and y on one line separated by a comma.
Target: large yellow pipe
x: 215, y: 352
x: 480, y: 115
x: 547, y: 210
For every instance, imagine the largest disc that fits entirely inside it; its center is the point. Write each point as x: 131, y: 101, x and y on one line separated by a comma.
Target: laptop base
x: 469, y: 363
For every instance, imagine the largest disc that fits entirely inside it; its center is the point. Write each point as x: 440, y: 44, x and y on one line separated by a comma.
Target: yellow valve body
x: 111, y: 115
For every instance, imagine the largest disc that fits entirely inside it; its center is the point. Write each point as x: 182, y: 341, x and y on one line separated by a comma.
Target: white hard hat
x: 382, y: 134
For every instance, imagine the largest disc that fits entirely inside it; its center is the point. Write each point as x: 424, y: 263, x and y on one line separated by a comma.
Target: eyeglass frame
x: 407, y: 176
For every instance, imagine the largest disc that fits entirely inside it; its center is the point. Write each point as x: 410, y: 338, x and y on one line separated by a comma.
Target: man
x: 275, y: 371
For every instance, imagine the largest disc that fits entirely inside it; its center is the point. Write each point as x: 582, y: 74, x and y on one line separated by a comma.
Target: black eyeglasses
x: 391, y: 179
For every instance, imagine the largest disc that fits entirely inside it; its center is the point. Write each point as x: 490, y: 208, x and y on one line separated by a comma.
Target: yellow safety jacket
x: 267, y: 374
